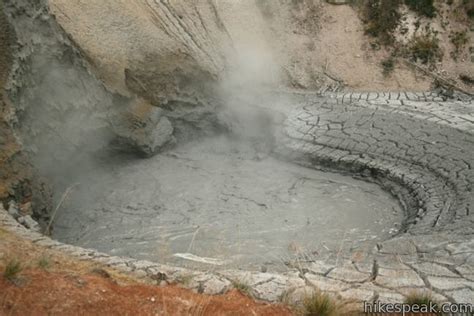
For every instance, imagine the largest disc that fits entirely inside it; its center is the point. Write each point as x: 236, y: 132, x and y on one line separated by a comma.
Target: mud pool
x: 221, y: 203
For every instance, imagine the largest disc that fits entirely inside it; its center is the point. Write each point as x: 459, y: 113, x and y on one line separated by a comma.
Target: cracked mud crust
x: 401, y: 140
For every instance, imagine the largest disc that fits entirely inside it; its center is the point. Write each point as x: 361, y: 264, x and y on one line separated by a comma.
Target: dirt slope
x: 51, y: 283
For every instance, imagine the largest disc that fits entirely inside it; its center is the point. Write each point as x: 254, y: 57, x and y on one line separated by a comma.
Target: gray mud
x: 221, y: 202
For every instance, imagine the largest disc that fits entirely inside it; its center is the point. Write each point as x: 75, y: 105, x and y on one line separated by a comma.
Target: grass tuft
x: 421, y: 299
x: 388, y: 66
x: 184, y: 279
x: 12, y: 269
x: 242, y: 287
x: 425, y: 48
x: 44, y: 263
x: 319, y: 304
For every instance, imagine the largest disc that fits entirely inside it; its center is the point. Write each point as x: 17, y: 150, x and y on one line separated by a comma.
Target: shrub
x: 467, y: 79
x: 459, y: 40
x: 388, y: 66
x: 421, y: 299
x: 12, y: 269
x: 381, y: 18
x: 319, y: 304
x: 422, y: 7
x: 469, y: 8
x: 424, y: 48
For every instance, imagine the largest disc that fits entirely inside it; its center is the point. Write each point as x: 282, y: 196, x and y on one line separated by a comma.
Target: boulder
x: 142, y: 129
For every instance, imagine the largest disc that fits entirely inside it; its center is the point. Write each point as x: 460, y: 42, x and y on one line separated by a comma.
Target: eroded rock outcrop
x: 142, y: 128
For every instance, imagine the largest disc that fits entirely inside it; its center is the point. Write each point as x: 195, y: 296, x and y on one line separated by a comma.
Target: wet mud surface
x: 219, y: 202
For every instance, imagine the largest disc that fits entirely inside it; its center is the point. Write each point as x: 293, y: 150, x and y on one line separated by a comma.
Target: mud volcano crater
x: 363, y: 194
x: 220, y: 201
x: 220, y: 185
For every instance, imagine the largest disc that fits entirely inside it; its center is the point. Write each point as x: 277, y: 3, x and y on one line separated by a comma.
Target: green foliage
x: 12, y: 269
x: 424, y: 48
x: 319, y: 304
x: 469, y: 8
x: 381, y: 18
x: 44, y: 263
x: 459, y: 40
x: 388, y: 65
x: 422, y: 7
x: 242, y: 287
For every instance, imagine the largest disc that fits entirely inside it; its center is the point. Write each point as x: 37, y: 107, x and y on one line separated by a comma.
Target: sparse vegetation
x: 242, y: 287
x: 469, y: 8
x: 184, y: 279
x: 467, y: 79
x: 424, y: 48
x: 422, y: 7
x: 319, y: 304
x: 388, y: 65
x: 44, y: 262
x: 459, y: 40
x: 12, y: 269
x: 381, y: 18
x: 421, y: 299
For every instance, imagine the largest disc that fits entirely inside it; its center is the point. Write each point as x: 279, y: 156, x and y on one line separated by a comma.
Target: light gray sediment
x: 424, y: 146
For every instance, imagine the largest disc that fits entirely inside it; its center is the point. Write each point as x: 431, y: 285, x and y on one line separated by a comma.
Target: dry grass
x: 388, y: 65
x: 242, y: 287
x: 44, y: 262
x: 12, y: 269
x: 424, y: 48
x: 320, y: 304
x: 422, y: 298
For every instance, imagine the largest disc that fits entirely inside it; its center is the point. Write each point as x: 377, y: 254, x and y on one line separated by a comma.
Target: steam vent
x: 236, y: 157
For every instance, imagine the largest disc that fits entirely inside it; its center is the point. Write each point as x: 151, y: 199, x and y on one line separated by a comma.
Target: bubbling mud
x: 221, y: 202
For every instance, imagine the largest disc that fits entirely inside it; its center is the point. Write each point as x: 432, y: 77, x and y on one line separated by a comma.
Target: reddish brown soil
x: 73, y: 287
x: 38, y: 292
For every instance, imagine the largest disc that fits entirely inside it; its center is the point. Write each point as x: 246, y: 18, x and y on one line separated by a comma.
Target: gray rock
x: 143, y: 131
x: 29, y: 223
x: 13, y: 209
